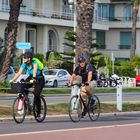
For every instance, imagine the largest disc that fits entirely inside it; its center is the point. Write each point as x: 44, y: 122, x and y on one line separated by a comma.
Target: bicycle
x: 77, y: 105
x: 22, y: 104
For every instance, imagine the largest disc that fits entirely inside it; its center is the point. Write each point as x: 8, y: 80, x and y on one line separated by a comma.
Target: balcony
x: 41, y: 13
x: 120, y: 1
x: 40, y: 16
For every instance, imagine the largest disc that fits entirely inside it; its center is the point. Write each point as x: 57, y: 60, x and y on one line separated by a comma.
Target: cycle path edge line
x: 65, y: 115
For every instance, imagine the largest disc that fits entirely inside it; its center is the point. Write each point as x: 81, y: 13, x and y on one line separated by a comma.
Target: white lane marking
x: 65, y: 130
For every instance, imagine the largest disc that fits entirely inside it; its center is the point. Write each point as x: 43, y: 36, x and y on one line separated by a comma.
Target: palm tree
x: 10, y: 38
x: 135, y: 9
x: 69, y: 42
x: 84, y: 27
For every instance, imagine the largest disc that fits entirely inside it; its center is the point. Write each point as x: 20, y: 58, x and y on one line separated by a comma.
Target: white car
x: 12, y: 72
x: 56, y: 77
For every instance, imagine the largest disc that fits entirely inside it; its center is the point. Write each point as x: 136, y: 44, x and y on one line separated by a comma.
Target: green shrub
x: 3, y: 85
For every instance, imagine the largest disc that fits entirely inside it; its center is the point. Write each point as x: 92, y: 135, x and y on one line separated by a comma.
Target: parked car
x: 56, y: 77
x: 138, y: 80
x: 12, y: 72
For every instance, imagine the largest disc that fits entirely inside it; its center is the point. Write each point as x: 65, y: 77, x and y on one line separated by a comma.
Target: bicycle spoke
x: 19, y: 110
x: 94, y: 109
x: 43, y: 110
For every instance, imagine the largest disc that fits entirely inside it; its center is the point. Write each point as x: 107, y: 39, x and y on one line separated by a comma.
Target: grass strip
x: 62, y: 108
x: 68, y: 90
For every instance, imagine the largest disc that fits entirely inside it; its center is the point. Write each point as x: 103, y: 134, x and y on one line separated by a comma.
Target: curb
x: 65, y: 115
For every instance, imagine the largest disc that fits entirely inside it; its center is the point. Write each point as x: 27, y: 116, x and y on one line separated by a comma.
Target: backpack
x: 94, y: 71
x: 40, y: 64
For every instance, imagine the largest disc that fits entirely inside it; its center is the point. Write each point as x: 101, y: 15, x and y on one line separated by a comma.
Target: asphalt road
x: 61, y: 123
x: 116, y: 126
x: 104, y: 98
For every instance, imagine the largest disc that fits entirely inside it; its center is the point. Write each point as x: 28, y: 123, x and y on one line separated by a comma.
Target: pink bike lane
x: 113, y: 132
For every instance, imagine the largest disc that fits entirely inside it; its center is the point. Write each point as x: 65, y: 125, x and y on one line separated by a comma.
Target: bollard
x: 119, y: 97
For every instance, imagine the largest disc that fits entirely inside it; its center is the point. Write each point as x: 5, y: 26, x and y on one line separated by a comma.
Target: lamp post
x: 113, y: 59
x: 73, y: 3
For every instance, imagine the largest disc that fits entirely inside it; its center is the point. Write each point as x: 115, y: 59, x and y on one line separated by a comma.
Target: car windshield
x: 50, y: 72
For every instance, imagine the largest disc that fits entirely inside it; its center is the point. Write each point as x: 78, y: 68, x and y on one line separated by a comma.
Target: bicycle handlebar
x: 25, y: 82
x: 78, y: 84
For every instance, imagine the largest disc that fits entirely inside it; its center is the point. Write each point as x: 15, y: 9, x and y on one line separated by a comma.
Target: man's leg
x: 89, y: 90
x: 84, y: 97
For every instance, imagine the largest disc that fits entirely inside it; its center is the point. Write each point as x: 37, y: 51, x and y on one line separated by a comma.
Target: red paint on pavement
x: 116, y: 132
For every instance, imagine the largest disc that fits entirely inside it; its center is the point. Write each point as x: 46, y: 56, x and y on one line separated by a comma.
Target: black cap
x: 81, y: 58
x: 28, y: 55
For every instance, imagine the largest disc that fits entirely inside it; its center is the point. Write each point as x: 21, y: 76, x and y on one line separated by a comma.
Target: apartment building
x: 117, y: 14
x: 44, y: 24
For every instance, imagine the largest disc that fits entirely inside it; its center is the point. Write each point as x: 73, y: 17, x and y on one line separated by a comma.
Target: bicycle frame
x: 80, y: 96
x: 84, y: 104
x: 22, y: 103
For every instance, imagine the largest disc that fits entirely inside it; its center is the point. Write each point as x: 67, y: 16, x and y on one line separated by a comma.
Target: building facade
x: 44, y: 24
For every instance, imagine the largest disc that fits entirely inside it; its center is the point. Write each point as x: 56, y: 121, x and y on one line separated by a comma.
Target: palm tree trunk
x: 84, y: 27
x: 10, y: 38
x: 134, y: 22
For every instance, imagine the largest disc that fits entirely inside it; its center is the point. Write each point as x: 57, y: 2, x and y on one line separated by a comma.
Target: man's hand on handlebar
x: 11, y: 81
x: 69, y: 84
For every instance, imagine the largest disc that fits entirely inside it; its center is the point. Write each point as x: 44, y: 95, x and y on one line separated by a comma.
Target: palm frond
x: 69, y: 45
x: 68, y: 53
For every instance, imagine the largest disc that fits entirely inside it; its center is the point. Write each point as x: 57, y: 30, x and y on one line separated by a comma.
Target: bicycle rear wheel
x: 19, y: 110
x: 94, y: 109
x: 75, y: 108
x: 43, y: 111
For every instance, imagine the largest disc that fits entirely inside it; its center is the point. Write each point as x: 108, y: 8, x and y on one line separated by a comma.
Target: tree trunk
x: 134, y: 22
x: 10, y: 38
x: 84, y: 27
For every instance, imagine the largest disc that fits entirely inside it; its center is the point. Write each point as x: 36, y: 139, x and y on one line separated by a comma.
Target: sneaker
x: 83, y: 113
x: 39, y: 116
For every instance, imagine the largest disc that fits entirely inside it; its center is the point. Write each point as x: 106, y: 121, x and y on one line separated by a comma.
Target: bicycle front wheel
x: 75, y: 108
x: 19, y: 110
x: 43, y: 110
x: 94, y: 109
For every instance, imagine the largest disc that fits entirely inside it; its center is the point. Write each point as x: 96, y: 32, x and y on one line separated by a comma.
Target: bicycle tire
x: 94, y: 110
x: 105, y: 84
x: 113, y: 83
x: 43, y: 110
x: 19, y: 115
x: 75, y: 108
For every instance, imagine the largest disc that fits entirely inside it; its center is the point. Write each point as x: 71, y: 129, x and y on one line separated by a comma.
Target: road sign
x: 23, y: 45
